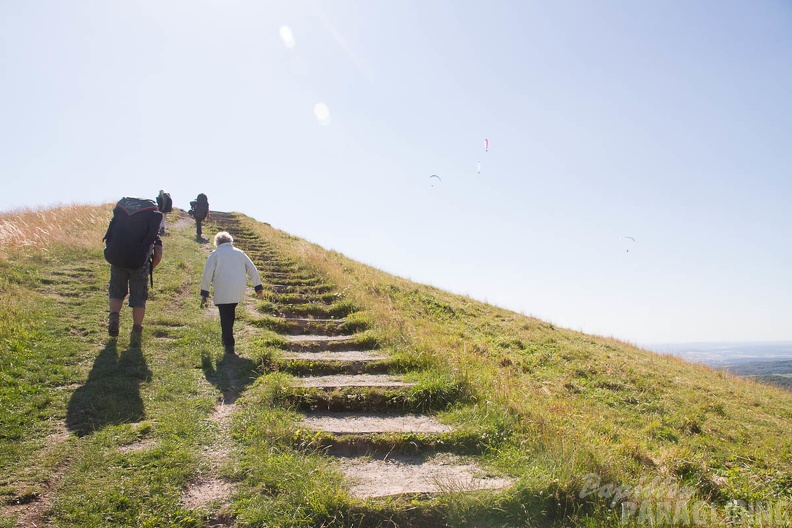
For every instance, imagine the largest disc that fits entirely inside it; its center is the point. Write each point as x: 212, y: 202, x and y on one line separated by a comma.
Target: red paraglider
x: 486, y: 145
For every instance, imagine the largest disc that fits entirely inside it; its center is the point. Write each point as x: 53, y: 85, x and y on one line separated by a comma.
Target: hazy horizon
x: 720, y: 352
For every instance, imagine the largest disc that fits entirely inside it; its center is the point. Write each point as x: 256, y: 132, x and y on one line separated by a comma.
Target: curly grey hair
x: 223, y: 237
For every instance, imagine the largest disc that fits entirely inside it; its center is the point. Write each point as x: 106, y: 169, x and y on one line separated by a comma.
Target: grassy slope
x: 544, y: 404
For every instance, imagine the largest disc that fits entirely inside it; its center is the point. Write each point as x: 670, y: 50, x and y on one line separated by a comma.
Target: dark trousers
x: 227, y: 317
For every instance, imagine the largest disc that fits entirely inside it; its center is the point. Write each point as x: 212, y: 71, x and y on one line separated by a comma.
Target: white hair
x: 223, y: 237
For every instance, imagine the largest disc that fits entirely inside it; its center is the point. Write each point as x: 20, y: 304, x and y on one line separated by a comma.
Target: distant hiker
x: 199, y: 209
x: 133, y: 249
x: 165, y: 205
x: 229, y: 270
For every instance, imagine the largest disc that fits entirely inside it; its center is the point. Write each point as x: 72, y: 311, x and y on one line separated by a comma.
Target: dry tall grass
x: 72, y: 226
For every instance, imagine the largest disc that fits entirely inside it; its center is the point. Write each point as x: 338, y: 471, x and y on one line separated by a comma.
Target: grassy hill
x: 594, y: 432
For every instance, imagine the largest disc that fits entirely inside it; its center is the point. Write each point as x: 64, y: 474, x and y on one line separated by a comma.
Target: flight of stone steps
x: 344, y: 388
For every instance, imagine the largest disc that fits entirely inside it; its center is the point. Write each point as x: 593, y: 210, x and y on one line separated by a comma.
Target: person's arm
x: 253, y: 276
x: 157, y: 257
x: 208, y: 276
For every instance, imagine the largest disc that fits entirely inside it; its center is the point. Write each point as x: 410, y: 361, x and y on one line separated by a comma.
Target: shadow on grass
x: 111, y: 395
x: 231, y: 374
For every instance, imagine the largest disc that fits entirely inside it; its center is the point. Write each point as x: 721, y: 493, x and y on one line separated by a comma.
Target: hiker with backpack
x: 228, y: 269
x: 133, y: 249
x: 199, y: 209
x: 165, y: 206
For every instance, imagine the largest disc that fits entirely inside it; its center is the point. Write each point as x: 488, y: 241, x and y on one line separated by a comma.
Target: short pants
x: 134, y: 282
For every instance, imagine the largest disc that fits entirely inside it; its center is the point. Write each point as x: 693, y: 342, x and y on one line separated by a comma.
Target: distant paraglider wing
x: 433, y: 177
x: 486, y: 145
x: 478, y: 167
x: 628, y: 240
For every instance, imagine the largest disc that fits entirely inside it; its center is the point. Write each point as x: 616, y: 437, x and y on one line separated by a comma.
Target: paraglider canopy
x: 486, y: 145
x: 434, y: 176
x: 628, y: 240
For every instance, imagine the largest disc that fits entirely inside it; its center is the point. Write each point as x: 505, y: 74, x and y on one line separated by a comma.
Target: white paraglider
x: 628, y: 240
x: 287, y: 36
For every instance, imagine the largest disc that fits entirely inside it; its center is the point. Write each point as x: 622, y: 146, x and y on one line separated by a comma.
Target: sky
x: 666, y: 121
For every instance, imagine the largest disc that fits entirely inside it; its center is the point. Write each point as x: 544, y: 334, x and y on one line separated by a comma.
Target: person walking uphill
x: 199, y: 209
x: 133, y: 249
x: 228, y: 269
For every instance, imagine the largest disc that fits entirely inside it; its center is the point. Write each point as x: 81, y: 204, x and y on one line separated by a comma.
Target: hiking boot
x: 112, y: 324
x: 136, y: 337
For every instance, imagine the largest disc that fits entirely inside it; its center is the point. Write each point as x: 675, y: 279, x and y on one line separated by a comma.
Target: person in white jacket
x: 228, y: 269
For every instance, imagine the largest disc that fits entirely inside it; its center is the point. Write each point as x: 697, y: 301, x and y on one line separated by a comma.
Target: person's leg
x: 117, y: 290
x: 198, y: 228
x: 116, y: 305
x: 114, y: 319
x: 138, y: 313
x: 227, y: 317
x: 138, y: 294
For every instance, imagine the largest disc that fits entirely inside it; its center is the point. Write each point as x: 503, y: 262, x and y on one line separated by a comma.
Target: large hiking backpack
x: 164, y: 202
x: 201, y: 207
x: 132, y: 232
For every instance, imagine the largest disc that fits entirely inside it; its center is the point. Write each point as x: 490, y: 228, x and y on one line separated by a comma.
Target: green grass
x: 111, y: 435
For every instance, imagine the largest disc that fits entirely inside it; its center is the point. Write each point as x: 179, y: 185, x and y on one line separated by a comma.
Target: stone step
x: 297, y: 275
x: 323, y: 343
x: 318, y: 327
x: 351, y: 355
x: 300, y: 298
x: 351, y: 423
x: 289, y: 311
x: 291, y: 280
x: 299, y: 326
x: 318, y: 340
x: 291, y: 289
x: 331, y: 363
x: 402, y: 475
x: 356, y: 380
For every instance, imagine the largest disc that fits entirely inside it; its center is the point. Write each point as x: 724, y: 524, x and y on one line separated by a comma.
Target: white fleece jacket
x: 228, y: 269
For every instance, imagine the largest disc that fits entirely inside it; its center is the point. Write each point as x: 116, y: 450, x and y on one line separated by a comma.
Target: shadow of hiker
x: 111, y: 394
x: 231, y: 374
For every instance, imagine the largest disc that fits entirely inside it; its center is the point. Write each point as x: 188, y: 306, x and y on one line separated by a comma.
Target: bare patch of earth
x: 182, y: 221
x: 204, y: 492
x: 397, y: 475
x: 222, y: 412
x: 137, y: 447
x: 209, y: 490
x: 361, y: 423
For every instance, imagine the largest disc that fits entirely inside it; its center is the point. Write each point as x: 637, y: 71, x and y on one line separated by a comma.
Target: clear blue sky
x: 667, y: 121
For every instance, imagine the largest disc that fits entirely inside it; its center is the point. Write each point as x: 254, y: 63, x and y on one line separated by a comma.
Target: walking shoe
x: 112, y: 324
x: 136, y: 337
